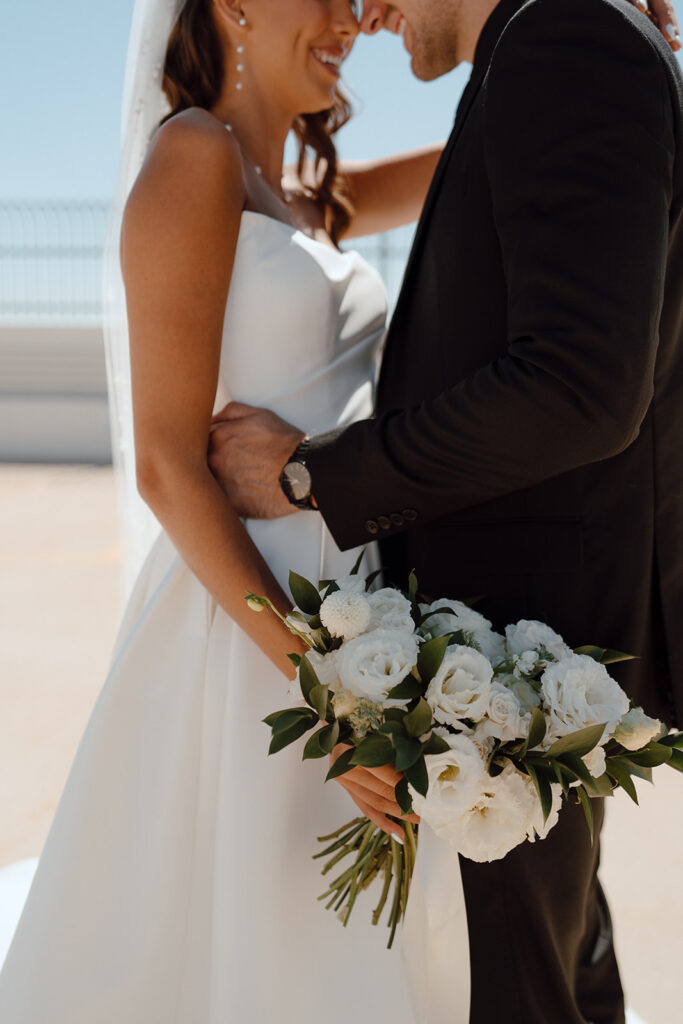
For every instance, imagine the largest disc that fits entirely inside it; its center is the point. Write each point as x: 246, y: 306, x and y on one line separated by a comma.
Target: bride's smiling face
x: 293, y: 49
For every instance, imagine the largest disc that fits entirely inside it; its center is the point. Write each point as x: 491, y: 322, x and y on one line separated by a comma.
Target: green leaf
x: 341, y: 765
x: 395, y: 714
x: 287, y: 736
x: 604, y: 655
x: 435, y: 745
x: 537, y: 730
x: 374, y: 751
x: 430, y: 657
x: 356, y: 567
x: 587, y: 809
x: 407, y: 689
x: 407, y: 752
x: 295, y: 659
x: 539, y: 777
x: 676, y: 760
x: 284, y: 719
x: 651, y: 756
x: 417, y: 776
x: 317, y: 698
x: 638, y: 770
x: 307, y: 678
x: 580, y: 742
x: 402, y: 794
x: 392, y: 728
x: 419, y: 720
x: 617, y: 770
x: 322, y: 742
x: 306, y: 596
x: 369, y: 580
x: 674, y: 739
x: 577, y: 766
x: 602, y: 786
x: 412, y: 587
x: 436, y: 611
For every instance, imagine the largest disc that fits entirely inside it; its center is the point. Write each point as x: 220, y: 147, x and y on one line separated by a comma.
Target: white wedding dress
x: 176, y: 885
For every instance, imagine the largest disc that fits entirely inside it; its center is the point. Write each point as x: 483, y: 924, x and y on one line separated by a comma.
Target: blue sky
x: 61, y: 68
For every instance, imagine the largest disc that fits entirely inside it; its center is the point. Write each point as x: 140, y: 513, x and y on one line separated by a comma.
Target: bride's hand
x: 372, y: 790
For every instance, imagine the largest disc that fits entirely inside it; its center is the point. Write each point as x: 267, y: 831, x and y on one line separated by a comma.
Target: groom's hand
x: 372, y: 790
x: 248, y: 449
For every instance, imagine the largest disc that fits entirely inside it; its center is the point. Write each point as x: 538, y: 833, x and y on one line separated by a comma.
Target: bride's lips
x: 330, y: 57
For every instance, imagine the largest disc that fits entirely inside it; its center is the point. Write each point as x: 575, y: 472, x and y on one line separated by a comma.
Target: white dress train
x: 176, y: 884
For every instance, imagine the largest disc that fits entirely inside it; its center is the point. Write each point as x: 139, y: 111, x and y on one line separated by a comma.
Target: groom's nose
x: 377, y: 15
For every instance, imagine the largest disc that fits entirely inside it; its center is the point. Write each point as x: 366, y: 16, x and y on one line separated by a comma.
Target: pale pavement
x: 59, y: 607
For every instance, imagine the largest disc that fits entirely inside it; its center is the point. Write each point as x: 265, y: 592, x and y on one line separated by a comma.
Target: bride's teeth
x: 335, y: 60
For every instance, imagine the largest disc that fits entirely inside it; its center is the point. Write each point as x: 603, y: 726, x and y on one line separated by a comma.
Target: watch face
x: 298, y: 480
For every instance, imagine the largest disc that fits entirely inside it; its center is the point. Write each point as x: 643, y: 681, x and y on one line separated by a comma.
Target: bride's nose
x: 344, y: 20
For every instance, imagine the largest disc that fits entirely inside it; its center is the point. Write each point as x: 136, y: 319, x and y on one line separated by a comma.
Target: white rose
x: 596, y: 762
x: 344, y: 703
x: 636, y: 729
x: 390, y: 610
x: 505, y: 813
x: 374, y: 663
x: 461, y: 687
x: 345, y: 614
x: 530, y: 635
x: 456, y: 778
x: 326, y: 667
x: 354, y: 584
x: 578, y: 692
x: 506, y: 720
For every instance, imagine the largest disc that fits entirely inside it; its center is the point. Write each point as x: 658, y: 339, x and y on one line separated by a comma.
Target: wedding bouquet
x: 489, y: 732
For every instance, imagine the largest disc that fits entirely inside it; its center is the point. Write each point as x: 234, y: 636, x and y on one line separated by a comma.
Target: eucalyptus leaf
x: 373, y: 752
x: 418, y: 721
x: 604, y: 655
x: 305, y: 595
x: 407, y: 752
x: 579, y: 743
x: 430, y: 657
x: 287, y: 736
x: 417, y: 776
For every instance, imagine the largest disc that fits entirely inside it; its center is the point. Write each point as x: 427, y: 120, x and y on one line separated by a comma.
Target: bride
x: 176, y: 883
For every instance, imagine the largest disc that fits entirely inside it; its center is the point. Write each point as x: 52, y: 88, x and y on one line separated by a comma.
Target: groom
x: 528, y: 438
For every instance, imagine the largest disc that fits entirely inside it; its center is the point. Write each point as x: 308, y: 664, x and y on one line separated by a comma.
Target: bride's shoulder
x: 192, y: 155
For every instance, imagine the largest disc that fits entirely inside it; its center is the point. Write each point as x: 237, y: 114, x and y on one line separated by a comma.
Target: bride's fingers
x: 364, y: 778
x: 388, y: 826
x: 378, y: 803
x: 662, y: 13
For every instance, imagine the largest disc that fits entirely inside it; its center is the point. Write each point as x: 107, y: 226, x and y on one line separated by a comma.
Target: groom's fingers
x: 234, y: 411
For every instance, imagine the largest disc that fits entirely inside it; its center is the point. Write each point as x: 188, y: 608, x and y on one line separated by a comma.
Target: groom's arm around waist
x: 579, y: 120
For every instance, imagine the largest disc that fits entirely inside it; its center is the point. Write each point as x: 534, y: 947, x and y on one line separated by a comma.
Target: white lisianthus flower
x: 530, y: 635
x: 525, y: 693
x: 354, y: 584
x: 461, y: 687
x: 504, y: 813
x: 326, y: 667
x: 374, y: 663
x: 506, y: 719
x: 345, y: 614
x: 461, y: 617
x: 390, y: 610
x: 636, y: 729
x: 344, y: 704
x: 596, y: 762
x: 578, y: 692
x: 456, y: 778
x: 525, y: 663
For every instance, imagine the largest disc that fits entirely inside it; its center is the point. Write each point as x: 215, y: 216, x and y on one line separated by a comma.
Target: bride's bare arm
x: 390, y: 192
x: 178, y: 243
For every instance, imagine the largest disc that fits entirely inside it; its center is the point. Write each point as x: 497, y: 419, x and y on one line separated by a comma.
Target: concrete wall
x: 53, y: 395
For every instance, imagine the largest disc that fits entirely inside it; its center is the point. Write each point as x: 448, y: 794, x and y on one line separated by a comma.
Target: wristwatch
x: 295, y: 479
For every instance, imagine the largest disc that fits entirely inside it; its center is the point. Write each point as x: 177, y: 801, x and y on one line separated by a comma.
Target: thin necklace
x: 284, y: 196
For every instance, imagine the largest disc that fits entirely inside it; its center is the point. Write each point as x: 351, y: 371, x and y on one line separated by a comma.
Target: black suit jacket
x: 528, y: 441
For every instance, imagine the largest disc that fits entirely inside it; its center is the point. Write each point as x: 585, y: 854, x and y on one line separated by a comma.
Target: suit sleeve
x: 579, y: 151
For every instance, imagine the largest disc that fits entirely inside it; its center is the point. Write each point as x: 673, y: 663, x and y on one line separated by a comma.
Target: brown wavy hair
x: 193, y: 77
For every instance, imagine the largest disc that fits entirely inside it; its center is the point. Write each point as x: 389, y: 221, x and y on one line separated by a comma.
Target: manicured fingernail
x: 399, y: 839
x: 672, y: 32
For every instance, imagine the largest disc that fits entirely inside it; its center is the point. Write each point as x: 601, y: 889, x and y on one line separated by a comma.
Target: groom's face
x: 430, y: 31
